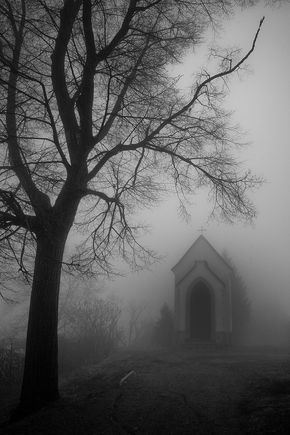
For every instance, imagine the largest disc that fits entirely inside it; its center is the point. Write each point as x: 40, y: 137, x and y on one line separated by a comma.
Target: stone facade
x: 203, y: 310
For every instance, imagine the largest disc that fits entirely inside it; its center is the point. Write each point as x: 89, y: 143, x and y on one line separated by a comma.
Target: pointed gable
x: 202, y: 251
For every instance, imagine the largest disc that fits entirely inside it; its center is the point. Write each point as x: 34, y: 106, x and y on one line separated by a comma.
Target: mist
x: 105, y: 320
x: 259, y: 250
x: 260, y: 101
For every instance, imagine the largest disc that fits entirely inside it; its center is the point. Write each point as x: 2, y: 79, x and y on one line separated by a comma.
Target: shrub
x: 164, y: 328
x: 11, y: 365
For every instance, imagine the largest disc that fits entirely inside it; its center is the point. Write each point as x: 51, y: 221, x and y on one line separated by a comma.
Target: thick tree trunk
x: 40, y: 381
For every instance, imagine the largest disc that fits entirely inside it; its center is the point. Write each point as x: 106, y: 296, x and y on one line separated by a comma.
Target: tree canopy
x: 90, y: 110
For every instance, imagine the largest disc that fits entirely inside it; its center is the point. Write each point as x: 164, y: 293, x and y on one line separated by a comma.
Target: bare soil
x: 185, y: 391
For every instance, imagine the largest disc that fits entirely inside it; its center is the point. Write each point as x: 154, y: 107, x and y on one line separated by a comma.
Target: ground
x: 185, y: 391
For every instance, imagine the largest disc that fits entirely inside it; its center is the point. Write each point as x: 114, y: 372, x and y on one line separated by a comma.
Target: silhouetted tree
x: 164, y: 329
x: 89, y: 118
x: 241, y: 305
x: 135, y: 311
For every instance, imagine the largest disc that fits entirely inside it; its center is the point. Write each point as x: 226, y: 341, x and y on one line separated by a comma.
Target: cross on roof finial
x: 201, y: 230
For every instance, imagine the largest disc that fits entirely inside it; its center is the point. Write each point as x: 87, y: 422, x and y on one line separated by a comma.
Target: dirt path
x: 180, y: 392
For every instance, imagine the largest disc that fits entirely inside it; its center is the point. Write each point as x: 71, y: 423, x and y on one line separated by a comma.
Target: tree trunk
x: 40, y: 380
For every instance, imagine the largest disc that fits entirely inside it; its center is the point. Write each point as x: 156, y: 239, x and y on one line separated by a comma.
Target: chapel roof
x: 204, y: 239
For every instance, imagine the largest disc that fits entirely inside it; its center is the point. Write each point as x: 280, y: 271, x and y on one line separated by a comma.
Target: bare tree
x: 91, y: 327
x: 135, y: 311
x: 90, y: 119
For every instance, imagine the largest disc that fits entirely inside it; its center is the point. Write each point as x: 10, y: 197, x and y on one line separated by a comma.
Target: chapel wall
x: 201, y: 261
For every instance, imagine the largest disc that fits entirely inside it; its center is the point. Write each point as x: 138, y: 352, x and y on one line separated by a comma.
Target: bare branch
x: 65, y: 103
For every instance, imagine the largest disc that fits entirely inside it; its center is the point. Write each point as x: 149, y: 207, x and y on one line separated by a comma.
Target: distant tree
x: 90, y: 329
x: 73, y: 291
x: 135, y: 311
x: 164, y: 329
x: 89, y: 119
x: 241, y: 305
x: 11, y: 367
x: 13, y: 326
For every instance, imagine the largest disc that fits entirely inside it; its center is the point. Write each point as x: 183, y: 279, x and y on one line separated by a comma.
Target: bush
x: 90, y: 332
x: 11, y: 365
x: 164, y: 328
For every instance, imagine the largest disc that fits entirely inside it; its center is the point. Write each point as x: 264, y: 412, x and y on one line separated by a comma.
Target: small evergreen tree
x: 241, y: 305
x: 164, y: 329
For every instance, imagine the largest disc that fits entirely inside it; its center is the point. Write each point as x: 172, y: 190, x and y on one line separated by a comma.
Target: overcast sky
x: 261, y: 102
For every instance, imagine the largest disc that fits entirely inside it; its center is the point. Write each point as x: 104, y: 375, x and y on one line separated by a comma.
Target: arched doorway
x: 200, y: 312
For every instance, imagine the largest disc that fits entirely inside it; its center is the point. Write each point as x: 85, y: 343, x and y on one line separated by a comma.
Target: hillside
x: 179, y: 392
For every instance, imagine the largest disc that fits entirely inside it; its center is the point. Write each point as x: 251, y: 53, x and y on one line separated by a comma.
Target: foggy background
x: 260, y: 100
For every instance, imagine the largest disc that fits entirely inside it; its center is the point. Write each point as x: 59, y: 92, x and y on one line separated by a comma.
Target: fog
x: 260, y: 99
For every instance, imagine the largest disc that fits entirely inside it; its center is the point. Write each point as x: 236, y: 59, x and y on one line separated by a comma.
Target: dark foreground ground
x: 179, y: 392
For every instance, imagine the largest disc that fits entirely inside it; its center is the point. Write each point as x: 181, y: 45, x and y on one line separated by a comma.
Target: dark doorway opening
x: 200, y: 312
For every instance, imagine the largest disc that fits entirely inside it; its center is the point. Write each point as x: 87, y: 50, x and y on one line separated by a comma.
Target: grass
x: 172, y: 392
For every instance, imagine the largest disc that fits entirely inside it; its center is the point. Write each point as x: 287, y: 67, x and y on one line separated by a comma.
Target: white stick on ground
x: 132, y: 372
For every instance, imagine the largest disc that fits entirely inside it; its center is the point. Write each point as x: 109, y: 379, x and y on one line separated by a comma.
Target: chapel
x: 203, y: 308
